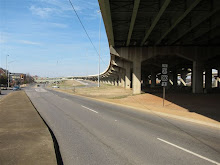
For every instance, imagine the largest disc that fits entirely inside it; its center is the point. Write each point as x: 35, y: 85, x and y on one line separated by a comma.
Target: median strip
x: 193, y: 153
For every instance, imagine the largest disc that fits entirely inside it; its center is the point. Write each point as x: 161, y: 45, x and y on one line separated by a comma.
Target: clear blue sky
x: 38, y: 33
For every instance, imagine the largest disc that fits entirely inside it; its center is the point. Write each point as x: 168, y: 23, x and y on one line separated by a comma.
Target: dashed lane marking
x: 89, y: 109
x: 40, y: 90
x: 193, y: 153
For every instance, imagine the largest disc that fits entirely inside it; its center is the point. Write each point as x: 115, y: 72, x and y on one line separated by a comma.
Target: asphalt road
x: 97, y: 133
x: 5, y: 93
x: 87, y: 84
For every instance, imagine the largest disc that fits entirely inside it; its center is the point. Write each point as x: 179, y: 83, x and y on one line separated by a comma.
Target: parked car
x: 15, y: 88
x: 55, y: 87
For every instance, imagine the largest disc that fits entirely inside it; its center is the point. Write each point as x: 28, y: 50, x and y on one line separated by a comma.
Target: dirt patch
x: 153, y: 103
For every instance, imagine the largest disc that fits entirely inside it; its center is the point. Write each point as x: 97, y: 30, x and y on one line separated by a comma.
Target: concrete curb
x: 151, y: 111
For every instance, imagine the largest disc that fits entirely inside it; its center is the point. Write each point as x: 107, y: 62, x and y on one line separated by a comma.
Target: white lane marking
x: 89, y: 109
x: 193, y: 153
x: 40, y: 90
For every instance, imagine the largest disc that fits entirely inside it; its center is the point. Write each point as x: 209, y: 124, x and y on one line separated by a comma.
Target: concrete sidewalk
x: 24, y: 137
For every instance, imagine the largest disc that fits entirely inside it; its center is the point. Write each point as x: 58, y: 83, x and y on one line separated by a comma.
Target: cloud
x: 28, y: 42
x: 42, y: 12
x: 58, y: 25
x: 62, y: 5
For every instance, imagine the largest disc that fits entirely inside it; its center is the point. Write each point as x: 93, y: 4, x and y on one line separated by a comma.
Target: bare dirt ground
x: 205, y: 108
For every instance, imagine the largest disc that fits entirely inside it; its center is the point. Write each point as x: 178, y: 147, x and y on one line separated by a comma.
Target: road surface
x: 5, y: 93
x: 87, y: 84
x: 93, y: 132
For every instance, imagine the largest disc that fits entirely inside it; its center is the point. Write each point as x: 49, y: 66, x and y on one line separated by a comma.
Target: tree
x: 29, y: 79
x: 3, y: 79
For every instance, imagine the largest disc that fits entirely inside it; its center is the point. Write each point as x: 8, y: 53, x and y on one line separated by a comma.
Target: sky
x: 45, y: 38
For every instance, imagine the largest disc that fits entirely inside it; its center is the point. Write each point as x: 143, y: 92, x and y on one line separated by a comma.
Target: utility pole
x: 56, y: 77
x: 99, y: 47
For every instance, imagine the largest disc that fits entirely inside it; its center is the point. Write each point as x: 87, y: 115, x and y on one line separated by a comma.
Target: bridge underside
x: 143, y: 34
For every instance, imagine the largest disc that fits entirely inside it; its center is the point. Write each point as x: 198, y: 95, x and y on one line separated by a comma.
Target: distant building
x: 17, y: 78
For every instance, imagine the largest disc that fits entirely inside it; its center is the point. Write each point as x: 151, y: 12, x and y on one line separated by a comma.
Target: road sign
x: 164, y: 84
x: 164, y: 79
x: 164, y: 76
x: 164, y: 70
x: 164, y: 65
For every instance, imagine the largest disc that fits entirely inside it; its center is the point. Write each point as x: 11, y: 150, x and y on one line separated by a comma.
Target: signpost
x: 164, y: 79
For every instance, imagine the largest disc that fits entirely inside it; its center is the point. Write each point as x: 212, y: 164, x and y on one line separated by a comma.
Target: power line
x: 85, y: 31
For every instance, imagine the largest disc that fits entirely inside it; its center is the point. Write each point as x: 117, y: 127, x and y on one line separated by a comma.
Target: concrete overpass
x: 143, y: 34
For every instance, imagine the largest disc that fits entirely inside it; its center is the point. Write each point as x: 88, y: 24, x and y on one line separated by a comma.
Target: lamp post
x: 56, y: 77
x: 6, y: 71
x: 99, y: 47
x: 9, y: 72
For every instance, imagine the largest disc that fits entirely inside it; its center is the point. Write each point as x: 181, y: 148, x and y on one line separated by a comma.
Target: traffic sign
x: 164, y: 76
x: 164, y: 70
x: 164, y: 79
x: 164, y: 84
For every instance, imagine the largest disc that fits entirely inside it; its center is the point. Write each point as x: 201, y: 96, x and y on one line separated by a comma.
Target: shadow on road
x: 205, y: 104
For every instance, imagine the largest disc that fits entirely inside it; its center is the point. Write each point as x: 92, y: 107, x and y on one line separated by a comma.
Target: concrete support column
x: 197, y: 77
x: 146, y: 81
x: 116, y: 81
x: 136, y: 76
x: 127, y: 76
x: 143, y: 79
x: 183, y: 77
x: 112, y: 81
x: 208, y: 79
x: 123, y: 79
x: 119, y: 79
x: 170, y: 82
x: 174, y: 78
x: 153, y: 79
x: 218, y: 78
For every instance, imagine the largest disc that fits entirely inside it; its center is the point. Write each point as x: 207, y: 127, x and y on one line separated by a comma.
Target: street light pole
x: 99, y: 47
x: 56, y: 77
x: 6, y: 71
x: 8, y: 79
x: 9, y: 72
